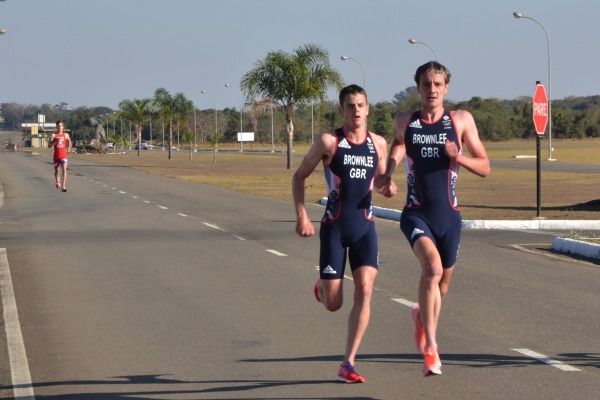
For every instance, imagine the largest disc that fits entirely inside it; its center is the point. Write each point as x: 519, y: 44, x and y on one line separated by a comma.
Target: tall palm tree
x: 290, y: 79
x: 137, y: 111
x: 171, y: 109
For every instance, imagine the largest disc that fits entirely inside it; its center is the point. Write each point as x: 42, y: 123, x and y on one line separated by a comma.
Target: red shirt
x: 60, y: 147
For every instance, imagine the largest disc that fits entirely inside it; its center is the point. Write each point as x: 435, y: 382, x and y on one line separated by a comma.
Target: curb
x: 545, y: 224
x: 577, y: 247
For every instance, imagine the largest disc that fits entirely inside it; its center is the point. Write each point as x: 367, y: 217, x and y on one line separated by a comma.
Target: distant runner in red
x: 61, y: 141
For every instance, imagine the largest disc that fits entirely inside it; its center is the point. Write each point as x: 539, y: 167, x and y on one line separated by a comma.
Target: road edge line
x: 19, y: 367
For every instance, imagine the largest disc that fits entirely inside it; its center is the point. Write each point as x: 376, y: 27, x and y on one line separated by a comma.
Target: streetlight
x: 241, y: 108
x: 518, y: 15
x: 216, y: 128
x: 344, y: 58
x: 414, y: 41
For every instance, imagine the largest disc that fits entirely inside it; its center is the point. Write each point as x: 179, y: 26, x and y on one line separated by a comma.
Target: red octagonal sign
x: 540, y: 109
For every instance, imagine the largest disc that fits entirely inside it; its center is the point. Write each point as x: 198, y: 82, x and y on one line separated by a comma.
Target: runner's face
x: 60, y: 126
x: 432, y: 89
x: 354, y: 110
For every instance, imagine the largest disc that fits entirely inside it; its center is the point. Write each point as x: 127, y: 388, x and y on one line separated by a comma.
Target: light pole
x: 414, y: 41
x: 216, y: 128
x: 241, y: 108
x: 518, y: 15
x: 344, y: 58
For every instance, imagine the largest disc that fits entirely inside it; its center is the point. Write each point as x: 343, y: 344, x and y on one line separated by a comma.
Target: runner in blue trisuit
x: 351, y: 157
x: 432, y: 141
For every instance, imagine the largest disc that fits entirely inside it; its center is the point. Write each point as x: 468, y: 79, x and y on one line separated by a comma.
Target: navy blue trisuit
x: 347, y: 227
x: 431, y: 207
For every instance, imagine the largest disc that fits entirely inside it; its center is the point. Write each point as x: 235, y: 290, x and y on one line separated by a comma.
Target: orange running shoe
x: 432, y: 364
x: 347, y: 374
x: 419, y: 333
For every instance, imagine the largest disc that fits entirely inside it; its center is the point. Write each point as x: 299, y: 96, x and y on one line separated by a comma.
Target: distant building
x: 37, y: 134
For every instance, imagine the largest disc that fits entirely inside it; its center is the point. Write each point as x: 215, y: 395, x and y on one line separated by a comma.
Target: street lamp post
x: 519, y: 15
x: 414, y: 41
x: 216, y: 127
x: 241, y: 108
x: 344, y: 58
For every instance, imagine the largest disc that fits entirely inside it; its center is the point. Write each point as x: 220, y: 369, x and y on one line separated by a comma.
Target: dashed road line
x: 277, y: 253
x: 405, y: 302
x: 213, y: 226
x: 547, y: 360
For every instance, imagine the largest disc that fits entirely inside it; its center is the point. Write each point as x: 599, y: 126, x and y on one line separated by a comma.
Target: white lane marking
x: 213, y: 226
x: 19, y: 367
x: 277, y: 253
x: 406, y: 302
x: 547, y: 360
x: 135, y: 197
x: 183, y: 215
x: 146, y: 201
x: 122, y: 192
x: 163, y: 207
x: 239, y: 237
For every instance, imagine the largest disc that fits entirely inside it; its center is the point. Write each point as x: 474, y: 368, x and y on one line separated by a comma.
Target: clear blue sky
x: 97, y: 53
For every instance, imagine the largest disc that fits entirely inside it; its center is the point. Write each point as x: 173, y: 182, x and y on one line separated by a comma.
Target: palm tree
x: 290, y: 79
x: 136, y: 110
x: 171, y: 109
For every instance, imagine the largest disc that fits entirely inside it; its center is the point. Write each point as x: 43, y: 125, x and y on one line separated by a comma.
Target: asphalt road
x: 132, y: 286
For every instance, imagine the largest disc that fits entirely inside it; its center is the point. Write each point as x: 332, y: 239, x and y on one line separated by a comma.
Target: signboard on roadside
x: 245, y: 136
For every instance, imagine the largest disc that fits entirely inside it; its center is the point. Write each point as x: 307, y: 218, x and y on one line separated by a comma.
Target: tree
x: 136, y: 111
x: 291, y: 79
x: 171, y: 109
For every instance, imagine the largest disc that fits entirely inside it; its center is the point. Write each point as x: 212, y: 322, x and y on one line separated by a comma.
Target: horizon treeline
x: 497, y: 120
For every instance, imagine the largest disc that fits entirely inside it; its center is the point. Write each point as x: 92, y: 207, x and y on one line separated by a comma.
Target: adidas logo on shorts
x: 329, y: 270
x: 416, y: 232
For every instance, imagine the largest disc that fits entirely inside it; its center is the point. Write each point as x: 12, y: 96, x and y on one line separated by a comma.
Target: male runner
x: 351, y: 157
x: 61, y: 141
x: 432, y: 141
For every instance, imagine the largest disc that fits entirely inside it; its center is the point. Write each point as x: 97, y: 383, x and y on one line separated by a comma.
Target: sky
x: 97, y: 53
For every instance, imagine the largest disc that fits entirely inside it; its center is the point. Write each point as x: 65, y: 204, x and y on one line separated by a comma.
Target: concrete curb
x: 546, y: 224
x: 584, y: 249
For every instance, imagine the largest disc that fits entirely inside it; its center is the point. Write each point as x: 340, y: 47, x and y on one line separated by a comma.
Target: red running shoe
x: 347, y: 374
x: 432, y: 364
x: 57, y: 185
x: 316, y: 289
x: 419, y: 334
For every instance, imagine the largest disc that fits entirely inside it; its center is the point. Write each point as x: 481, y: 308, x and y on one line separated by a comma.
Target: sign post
x: 540, y: 120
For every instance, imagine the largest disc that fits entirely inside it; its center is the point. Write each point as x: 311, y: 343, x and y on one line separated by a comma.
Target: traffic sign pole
x: 540, y: 119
